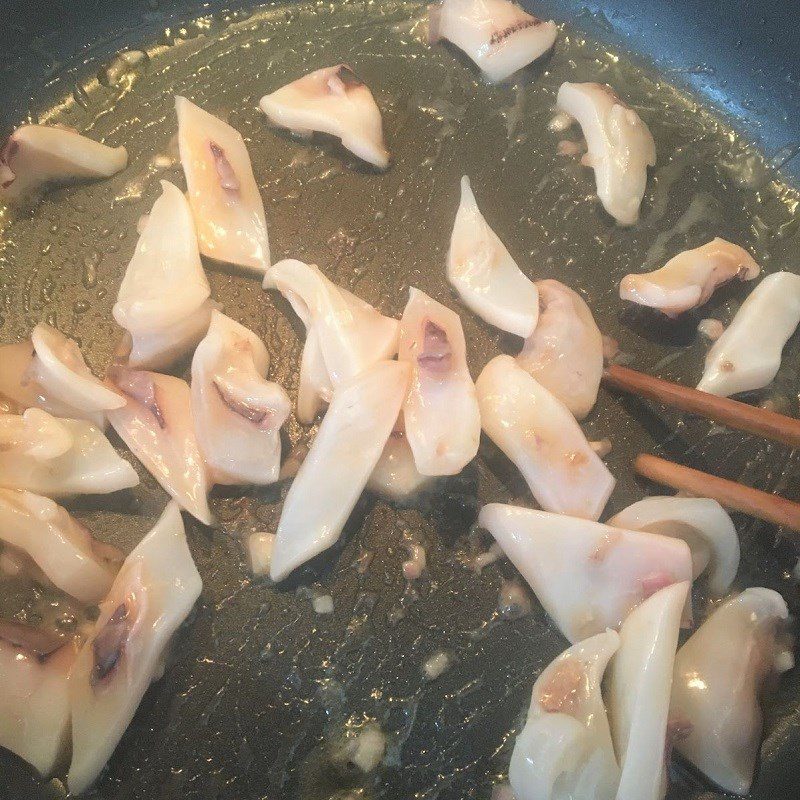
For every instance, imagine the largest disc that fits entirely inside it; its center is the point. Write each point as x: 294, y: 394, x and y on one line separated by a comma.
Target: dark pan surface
x: 263, y: 690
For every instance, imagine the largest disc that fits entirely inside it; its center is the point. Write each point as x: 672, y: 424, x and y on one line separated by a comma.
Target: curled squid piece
x: 332, y: 100
x: 152, y: 595
x: 565, y: 351
x: 58, y: 544
x: 163, y: 301
x: 59, y: 457
x: 689, y: 279
x: 499, y: 36
x: 701, y: 522
x: 564, y: 751
x: 620, y: 146
x: 237, y: 412
x: 442, y: 418
x: 36, y: 156
x: 540, y: 435
x: 639, y: 685
x: 34, y: 703
x: 587, y: 576
x: 342, y: 457
x: 747, y: 356
x: 156, y: 424
x: 485, y: 275
x: 396, y: 476
x: 226, y: 203
x: 719, y: 676
x: 344, y: 335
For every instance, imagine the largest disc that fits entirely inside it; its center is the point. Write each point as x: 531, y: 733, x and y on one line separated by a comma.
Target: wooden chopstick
x: 770, y: 507
x: 723, y: 410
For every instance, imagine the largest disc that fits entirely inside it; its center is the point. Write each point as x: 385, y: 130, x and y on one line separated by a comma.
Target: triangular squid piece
x: 335, y: 101
x: 499, y: 36
x: 396, y: 476
x: 58, y: 544
x: 237, y: 412
x: 484, y: 274
x: 156, y: 424
x: 701, y: 522
x: 587, y: 576
x: 442, y: 418
x: 565, y: 352
x: 639, y: 684
x: 226, y: 203
x: 719, y: 675
x: 35, y: 156
x: 163, y: 300
x: 58, y: 457
x: 540, y: 435
x: 152, y: 595
x: 564, y: 751
x: 343, y: 455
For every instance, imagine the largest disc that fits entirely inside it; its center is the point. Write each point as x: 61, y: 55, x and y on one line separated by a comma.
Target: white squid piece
x: 689, y: 279
x: 34, y: 703
x: 587, y: 576
x: 540, y: 435
x: 237, y: 412
x: 59, y: 457
x: 35, y: 156
x: 344, y: 335
x: 701, y: 522
x: 719, y: 675
x: 484, y: 274
x: 225, y: 200
x: 396, y: 476
x: 564, y: 751
x: 152, y: 595
x: 342, y: 457
x: 620, y: 146
x: 156, y: 424
x: 565, y: 351
x: 335, y: 101
x: 163, y: 301
x: 442, y: 418
x: 639, y: 684
x: 16, y: 392
x: 58, y: 544
x: 499, y: 36
x: 748, y: 354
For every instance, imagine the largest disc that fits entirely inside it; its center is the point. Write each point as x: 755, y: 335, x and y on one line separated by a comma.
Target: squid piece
x: 58, y: 544
x: 565, y: 352
x: 442, y: 418
x: 564, y: 751
x: 540, y: 435
x: 34, y: 703
x: 639, y: 684
x: 35, y: 156
x: 499, y: 36
x: 689, y: 279
x: 59, y: 457
x: 163, y: 301
x: 333, y: 100
x: 396, y: 476
x: 587, y: 576
x: 16, y: 392
x: 718, y: 679
x: 701, y: 522
x: 342, y: 457
x: 748, y: 354
x: 152, y: 595
x: 226, y: 203
x: 344, y: 335
x: 620, y: 146
x: 237, y: 413
x: 156, y: 424
x: 484, y: 274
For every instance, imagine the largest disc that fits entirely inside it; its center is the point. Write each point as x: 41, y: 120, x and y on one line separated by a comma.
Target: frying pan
x: 263, y: 695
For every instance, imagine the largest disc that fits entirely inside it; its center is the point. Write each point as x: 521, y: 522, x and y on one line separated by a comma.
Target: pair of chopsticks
x: 730, y: 413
